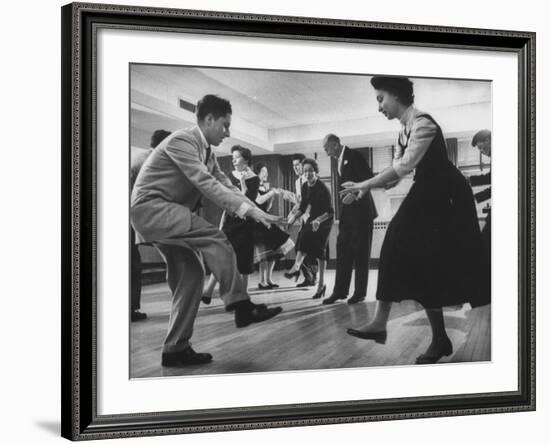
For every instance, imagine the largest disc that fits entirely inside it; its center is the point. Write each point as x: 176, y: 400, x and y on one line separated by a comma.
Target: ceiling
x: 280, y: 102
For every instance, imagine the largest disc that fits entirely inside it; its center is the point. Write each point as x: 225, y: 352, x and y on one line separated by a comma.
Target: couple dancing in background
x: 253, y: 242
x: 353, y: 245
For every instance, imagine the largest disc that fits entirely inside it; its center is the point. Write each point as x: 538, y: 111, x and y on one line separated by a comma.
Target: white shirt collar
x: 341, y: 158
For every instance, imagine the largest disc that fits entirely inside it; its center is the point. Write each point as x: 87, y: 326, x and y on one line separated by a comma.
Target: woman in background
x: 270, y: 243
x: 265, y: 202
x: 313, y: 237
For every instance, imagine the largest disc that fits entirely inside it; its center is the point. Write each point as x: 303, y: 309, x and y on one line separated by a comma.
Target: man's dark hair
x: 481, y: 136
x: 158, y: 136
x: 401, y: 87
x: 245, y: 153
x: 313, y: 164
x: 298, y: 156
x: 212, y: 104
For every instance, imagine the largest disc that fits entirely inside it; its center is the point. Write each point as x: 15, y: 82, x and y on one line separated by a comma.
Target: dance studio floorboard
x: 306, y: 335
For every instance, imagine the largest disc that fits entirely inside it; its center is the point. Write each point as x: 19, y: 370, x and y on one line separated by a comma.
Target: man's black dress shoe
x: 137, y: 315
x: 250, y: 313
x: 187, y: 356
x: 355, y: 299
x: 377, y: 336
x: 305, y: 283
x: 332, y: 299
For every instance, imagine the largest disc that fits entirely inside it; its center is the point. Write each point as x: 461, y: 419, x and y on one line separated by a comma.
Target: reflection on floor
x: 306, y: 335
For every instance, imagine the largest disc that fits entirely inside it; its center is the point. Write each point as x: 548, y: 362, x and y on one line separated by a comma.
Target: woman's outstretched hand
x: 264, y: 218
x: 354, y: 188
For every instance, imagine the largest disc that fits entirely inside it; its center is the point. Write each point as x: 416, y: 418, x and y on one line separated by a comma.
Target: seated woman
x: 313, y: 237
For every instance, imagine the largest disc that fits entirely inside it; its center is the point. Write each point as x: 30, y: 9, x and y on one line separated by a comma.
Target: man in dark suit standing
x: 354, y: 241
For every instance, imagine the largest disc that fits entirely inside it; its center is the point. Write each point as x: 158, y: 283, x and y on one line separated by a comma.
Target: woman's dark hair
x: 212, y: 104
x: 401, y: 87
x: 258, y: 167
x: 313, y: 164
x: 246, y: 154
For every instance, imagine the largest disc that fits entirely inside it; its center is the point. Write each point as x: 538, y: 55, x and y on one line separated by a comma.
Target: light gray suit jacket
x: 171, y: 182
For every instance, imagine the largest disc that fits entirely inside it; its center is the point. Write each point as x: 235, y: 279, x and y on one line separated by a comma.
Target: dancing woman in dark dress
x: 432, y: 251
x: 313, y: 237
x: 239, y: 231
x: 246, y: 235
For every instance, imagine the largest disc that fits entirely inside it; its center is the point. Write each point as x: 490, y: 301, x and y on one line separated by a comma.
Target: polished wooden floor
x: 306, y: 335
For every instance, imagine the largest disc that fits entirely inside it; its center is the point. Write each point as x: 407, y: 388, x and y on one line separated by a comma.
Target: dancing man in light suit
x: 167, y: 192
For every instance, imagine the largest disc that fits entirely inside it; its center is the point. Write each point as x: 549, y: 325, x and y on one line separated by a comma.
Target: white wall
x: 29, y: 313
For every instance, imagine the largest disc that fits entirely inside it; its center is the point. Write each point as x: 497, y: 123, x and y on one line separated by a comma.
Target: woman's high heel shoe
x: 292, y: 275
x: 264, y: 287
x: 377, y: 336
x: 320, y: 293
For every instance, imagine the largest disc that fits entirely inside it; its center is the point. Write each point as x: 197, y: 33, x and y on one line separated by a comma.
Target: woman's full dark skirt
x: 433, y: 251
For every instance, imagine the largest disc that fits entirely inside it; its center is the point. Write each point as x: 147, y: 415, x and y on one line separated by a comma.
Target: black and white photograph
x: 296, y: 221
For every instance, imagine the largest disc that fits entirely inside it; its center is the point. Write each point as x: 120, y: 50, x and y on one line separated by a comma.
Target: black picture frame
x: 80, y: 22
